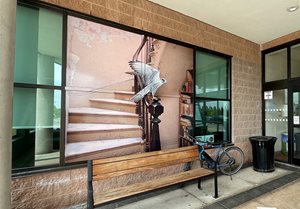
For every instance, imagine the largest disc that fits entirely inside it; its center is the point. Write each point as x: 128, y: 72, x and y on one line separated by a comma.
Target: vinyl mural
x: 104, y: 98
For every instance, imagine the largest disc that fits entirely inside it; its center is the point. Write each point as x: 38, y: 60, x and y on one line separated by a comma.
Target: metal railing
x: 152, y: 141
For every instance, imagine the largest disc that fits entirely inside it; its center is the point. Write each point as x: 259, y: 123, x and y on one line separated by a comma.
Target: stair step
x: 124, y: 95
x: 83, y: 132
x: 99, y: 149
x: 114, y: 104
x: 96, y: 115
x: 125, y: 85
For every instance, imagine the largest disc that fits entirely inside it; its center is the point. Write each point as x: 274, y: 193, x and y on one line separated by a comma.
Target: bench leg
x: 199, y: 184
x: 181, y: 185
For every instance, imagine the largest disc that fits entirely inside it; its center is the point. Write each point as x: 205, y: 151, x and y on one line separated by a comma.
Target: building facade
x: 65, y: 184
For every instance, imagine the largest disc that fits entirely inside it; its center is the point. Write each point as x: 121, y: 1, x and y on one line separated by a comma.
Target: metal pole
x: 216, y: 180
x: 7, y: 46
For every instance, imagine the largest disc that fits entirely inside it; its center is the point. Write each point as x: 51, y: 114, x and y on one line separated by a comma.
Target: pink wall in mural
x: 98, y: 55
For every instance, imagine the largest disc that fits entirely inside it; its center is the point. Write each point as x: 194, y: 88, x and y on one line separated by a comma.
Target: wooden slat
x: 141, y: 169
x: 146, y: 161
x: 146, y: 154
x: 149, y: 185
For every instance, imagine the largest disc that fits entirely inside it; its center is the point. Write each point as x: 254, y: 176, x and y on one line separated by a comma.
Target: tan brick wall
x: 153, y: 18
x: 281, y: 40
x: 61, y: 189
x: 246, y: 103
x: 50, y: 190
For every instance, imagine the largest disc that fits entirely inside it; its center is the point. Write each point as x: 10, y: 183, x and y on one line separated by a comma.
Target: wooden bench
x: 103, y: 169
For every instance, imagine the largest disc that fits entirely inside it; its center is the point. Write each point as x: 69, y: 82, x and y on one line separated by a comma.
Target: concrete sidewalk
x: 190, y: 197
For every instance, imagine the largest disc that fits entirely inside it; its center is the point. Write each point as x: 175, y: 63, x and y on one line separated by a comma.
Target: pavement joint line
x: 261, y: 189
x: 192, y: 195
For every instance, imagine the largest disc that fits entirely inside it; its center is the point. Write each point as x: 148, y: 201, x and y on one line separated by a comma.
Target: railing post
x: 155, y: 109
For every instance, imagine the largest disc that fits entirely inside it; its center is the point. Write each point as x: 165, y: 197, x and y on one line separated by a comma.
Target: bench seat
x: 138, y: 164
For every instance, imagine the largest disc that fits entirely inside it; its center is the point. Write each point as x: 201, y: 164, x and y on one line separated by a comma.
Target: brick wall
x: 281, y: 40
x: 50, y: 190
x: 65, y: 188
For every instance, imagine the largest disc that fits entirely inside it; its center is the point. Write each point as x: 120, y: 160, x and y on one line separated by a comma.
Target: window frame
x: 208, y: 99
x: 289, y: 83
x: 61, y: 165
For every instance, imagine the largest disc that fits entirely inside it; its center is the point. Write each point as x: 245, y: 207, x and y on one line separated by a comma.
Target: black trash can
x: 263, y: 153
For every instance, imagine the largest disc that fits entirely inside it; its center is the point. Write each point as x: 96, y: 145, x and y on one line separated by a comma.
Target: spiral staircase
x: 107, y: 127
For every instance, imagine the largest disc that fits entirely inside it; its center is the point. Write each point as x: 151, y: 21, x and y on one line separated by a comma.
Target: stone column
x: 7, y: 46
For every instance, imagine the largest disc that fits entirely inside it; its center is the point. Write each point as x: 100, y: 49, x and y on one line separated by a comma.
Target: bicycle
x: 229, y: 160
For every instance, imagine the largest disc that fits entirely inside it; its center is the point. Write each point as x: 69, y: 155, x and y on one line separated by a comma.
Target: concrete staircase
x: 109, y: 127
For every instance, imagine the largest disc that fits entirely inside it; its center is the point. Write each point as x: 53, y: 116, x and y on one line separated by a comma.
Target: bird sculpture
x: 150, y: 77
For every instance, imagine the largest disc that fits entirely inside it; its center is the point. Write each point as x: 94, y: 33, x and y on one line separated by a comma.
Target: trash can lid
x: 262, y: 138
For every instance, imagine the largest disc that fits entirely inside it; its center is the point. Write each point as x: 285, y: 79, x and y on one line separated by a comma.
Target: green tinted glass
x: 211, y: 76
x: 38, y: 46
x: 212, y: 118
x: 36, y: 127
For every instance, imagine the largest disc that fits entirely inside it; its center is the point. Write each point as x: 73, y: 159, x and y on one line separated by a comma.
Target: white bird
x: 150, y: 78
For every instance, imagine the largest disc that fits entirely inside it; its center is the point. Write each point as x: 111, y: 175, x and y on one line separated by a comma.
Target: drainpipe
x: 7, y: 46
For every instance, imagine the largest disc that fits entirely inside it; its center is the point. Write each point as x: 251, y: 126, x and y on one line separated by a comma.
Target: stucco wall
x: 48, y: 189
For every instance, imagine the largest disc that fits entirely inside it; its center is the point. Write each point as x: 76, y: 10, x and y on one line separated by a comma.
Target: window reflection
x: 36, y: 110
x: 295, y: 61
x: 276, y: 65
x: 212, y: 117
x: 211, y: 76
x: 36, y: 127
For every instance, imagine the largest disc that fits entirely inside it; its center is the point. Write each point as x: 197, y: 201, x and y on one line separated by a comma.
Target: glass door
x: 276, y: 121
x: 296, y: 126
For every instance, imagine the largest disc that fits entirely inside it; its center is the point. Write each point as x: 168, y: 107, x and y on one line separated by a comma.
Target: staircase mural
x: 104, y: 122
x: 108, y: 127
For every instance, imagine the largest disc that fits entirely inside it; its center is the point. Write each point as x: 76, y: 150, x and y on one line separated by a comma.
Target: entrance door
x: 295, y: 129
x: 276, y: 121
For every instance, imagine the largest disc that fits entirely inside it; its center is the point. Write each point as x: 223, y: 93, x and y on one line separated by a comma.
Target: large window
x: 212, y: 104
x: 37, y: 88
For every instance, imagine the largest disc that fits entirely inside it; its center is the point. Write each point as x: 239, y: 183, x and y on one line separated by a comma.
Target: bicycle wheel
x: 231, y: 160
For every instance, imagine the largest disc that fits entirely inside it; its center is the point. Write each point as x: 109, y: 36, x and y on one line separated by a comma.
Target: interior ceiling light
x: 292, y: 8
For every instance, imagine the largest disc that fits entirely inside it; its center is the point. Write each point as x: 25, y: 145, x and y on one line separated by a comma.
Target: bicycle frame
x: 205, y: 156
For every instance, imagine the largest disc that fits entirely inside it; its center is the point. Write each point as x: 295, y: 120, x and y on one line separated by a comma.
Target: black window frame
x: 209, y: 99
x: 38, y: 169
x: 289, y: 83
